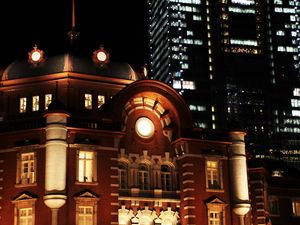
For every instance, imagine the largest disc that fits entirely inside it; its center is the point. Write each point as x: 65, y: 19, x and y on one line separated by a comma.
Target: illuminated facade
x: 97, y: 145
x: 243, y: 55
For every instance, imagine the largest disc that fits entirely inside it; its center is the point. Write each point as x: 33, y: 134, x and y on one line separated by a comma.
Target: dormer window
x: 48, y: 100
x: 88, y: 101
x: 35, y: 103
x: 23, y: 105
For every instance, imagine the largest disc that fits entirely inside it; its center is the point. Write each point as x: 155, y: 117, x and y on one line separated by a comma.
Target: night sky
x: 121, y: 26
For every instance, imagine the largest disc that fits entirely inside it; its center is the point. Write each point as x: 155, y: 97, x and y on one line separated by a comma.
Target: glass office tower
x: 232, y: 60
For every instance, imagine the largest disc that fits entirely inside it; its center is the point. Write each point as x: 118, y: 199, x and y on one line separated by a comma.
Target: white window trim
x: 220, y: 175
x: 19, y: 183
x: 94, y: 172
x: 89, y: 200
x: 22, y: 202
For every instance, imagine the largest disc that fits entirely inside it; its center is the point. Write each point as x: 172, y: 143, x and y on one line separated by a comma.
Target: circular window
x: 144, y: 127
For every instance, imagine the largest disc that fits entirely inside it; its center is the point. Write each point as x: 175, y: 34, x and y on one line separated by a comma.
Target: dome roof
x: 68, y: 63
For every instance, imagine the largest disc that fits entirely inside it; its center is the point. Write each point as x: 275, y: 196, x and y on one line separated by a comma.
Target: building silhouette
x: 233, y: 59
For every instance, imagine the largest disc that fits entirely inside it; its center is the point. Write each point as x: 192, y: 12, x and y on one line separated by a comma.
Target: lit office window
x: 243, y: 2
x: 278, y: 2
x: 101, y: 100
x: 295, y: 102
x: 296, y: 92
x: 35, y: 103
x: 48, y: 100
x: 296, y: 207
x: 23, y: 105
x: 86, y: 171
x: 88, y: 101
x: 190, y: 85
x: 295, y: 112
x: 177, y: 84
x: 196, y: 18
x: 280, y: 33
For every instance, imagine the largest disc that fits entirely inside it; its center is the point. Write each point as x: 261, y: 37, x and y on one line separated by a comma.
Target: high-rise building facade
x: 232, y: 59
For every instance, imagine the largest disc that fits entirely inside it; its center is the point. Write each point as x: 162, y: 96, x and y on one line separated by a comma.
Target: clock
x: 144, y: 127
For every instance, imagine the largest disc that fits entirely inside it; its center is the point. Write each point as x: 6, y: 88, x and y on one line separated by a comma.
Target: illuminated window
x: 48, y: 100
x: 24, y: 210
x: 190, y: 85
x: 280, y: 33
x: 296, y: 207
x: 295, y: 102
x: 123, y: 176
x: 26, y: 167
x: 165, y: 173
x: 273, y: 206
x: 23, y: 105
x: 86, y: 166
x: 101, y: 100
x: 35, y: 103
x: 196, y: 18
x: 86, y: 209
x: 243, y: 2
x: 143, y: 177
x: 85, y: 215
x: 296, y: 92
x: 216, y: 212
x: 213, y: 177
x: 88, y: 101
x: 177, y: 84
x: 277, y: 2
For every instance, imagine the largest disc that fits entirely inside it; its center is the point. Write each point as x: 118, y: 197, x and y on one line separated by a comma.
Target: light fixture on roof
x: 36, y: 55
x: 101, y: 56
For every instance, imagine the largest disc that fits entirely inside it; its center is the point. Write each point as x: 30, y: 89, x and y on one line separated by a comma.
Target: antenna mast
x: 73, y: 34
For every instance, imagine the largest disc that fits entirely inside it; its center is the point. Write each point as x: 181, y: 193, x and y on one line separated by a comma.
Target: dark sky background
x: 121, y: 26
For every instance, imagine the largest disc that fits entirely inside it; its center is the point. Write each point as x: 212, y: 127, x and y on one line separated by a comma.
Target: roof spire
x: 73, y: 34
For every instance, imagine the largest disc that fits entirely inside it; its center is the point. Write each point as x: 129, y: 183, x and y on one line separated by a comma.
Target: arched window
x: 144, y: 177
x: 165, y: 173
x: 123, y: 177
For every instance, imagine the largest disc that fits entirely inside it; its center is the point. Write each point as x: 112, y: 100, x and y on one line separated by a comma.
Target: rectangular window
x: 26, y: 166
x: 48, y: 100
x: 213, y: 174
x: 23, y: 105
x: 215, y: 218
x: 101, y: 100
x: 86, y: 166
x: 88, y: 101
x: 273, y: 206
x: 25, y: 216
x: 35, y: 103
x: 85, y: 215
x: 296, y: 208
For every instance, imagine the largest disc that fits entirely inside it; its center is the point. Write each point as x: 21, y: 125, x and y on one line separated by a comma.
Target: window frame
x: 296, y: 207
x: 94, y: 167
x: 218, y: 187
x: 86, y: 199
x: 271, y: 201
x: 24, y: 201
x: 123, y: 175
x: 32, y: 180
x: 144, y: 175
x: 165, y: 178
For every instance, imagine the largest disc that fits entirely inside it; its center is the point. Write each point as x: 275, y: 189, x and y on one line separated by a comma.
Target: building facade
x: 232, y: 59
x: 85, y: 141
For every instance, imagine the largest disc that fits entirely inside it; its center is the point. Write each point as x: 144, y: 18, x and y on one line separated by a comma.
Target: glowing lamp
x: 36, y: 55
x: 101, y: 56
x: 144, y: 127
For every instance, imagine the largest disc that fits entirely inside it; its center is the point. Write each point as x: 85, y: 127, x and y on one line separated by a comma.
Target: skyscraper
x: 232, y: 59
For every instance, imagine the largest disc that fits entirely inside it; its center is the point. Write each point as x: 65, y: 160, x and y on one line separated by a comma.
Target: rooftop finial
x: 73, y: 34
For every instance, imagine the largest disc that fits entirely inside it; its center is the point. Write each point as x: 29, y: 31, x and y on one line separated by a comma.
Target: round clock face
x: 144, y: 127
x: 101, y: 56
x: 36, y: 56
